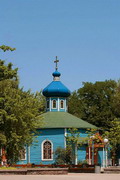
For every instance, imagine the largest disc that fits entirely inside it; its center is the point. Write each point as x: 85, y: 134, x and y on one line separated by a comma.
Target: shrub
x: 63, y: 156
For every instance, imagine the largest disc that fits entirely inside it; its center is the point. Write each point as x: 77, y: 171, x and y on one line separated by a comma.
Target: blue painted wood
x: 58, y: 108
x: 56, y: 136
x: 81, y: 154
x: 100, y: 156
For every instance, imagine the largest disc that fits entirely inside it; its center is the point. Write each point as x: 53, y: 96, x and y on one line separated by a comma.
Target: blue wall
x: 81, y: 154
x: 56, y: 136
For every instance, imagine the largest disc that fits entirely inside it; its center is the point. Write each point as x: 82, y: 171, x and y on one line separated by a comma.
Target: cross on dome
x: 56, y: 61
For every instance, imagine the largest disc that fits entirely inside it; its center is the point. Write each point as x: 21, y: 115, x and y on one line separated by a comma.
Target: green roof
x: 64, y: 120
x: 84, y: 140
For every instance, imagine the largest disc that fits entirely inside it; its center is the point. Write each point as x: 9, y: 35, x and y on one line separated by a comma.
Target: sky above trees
x: 84, y: 34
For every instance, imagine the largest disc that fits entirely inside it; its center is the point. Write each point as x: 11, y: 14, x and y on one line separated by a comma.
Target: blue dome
x: 56, y: 74
x: 56, y: 89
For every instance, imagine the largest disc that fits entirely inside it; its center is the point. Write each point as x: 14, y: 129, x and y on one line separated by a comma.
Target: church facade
x: 57, y: 124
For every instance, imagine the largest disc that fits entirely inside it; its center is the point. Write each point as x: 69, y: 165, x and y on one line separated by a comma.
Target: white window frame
x: 63, y: 104
x: 52, y: 104
x: 25, y: 155
x: 43, y: 150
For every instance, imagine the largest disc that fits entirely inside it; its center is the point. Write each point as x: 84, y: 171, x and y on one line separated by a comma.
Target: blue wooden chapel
x: 57, y: 122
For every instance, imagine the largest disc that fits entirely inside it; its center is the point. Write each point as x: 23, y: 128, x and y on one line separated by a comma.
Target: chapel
x: 56, y: 128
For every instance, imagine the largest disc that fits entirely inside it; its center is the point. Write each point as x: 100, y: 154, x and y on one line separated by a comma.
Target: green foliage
x: 99, y: 103
x: 84, y: 162
x: 73, y: 136
x: 63, y: 156
x: 94, y: 103
x: 6, y: 48
x: 6, y: 72
x: 19, y: 112
x: 114, y: 133
x: 113, y: 136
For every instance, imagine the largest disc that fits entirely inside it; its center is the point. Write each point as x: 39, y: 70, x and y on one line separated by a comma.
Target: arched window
x: 47, y: 150
x: 54, y: 104
x: 61, y: 104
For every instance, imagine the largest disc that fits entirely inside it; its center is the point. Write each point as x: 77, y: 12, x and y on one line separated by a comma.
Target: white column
x: 58, y: 104
x: 65, y: 135
x: 76, y: 154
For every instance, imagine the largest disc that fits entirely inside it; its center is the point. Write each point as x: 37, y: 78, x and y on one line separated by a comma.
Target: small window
x: 54, y: 104
x: 47, y: 150
x: 62, y: 104
x: 23, y: 154
x: 47, y: 104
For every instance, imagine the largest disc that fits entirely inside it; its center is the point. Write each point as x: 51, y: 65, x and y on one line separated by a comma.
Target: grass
x: 7, y: 168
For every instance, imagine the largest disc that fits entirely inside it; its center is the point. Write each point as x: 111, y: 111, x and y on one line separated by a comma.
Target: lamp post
x: 105, y: 154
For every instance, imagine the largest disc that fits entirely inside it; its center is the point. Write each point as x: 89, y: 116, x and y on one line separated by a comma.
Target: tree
x: 19, y: 111
x: 99, y: 104
x: 94, y: 103
x: 113, y: 136
x: 75, y: 141
x: 7, y: 48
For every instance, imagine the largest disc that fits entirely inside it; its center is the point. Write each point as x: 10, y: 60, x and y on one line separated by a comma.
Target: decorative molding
x: 51, y: 150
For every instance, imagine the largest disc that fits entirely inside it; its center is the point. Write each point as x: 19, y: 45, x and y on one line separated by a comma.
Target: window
x: 54, y: 104
x: 61, y: 104
x: 47, y: 150
x: 23, y: 154
x: 47, y: 104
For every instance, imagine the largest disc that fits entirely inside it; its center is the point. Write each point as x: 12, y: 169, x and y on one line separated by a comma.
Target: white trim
x: 51, y: 150
x: 63, y: 104
x: 56, y: 104
x: 65, y: 135
x: 76, y: 160
x: 25, y: 155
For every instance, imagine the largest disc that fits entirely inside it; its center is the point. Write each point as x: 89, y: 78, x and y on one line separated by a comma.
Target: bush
x: 63, y: 156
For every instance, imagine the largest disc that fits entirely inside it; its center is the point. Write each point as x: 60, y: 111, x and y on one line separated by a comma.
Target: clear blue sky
x: 84, y: 34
